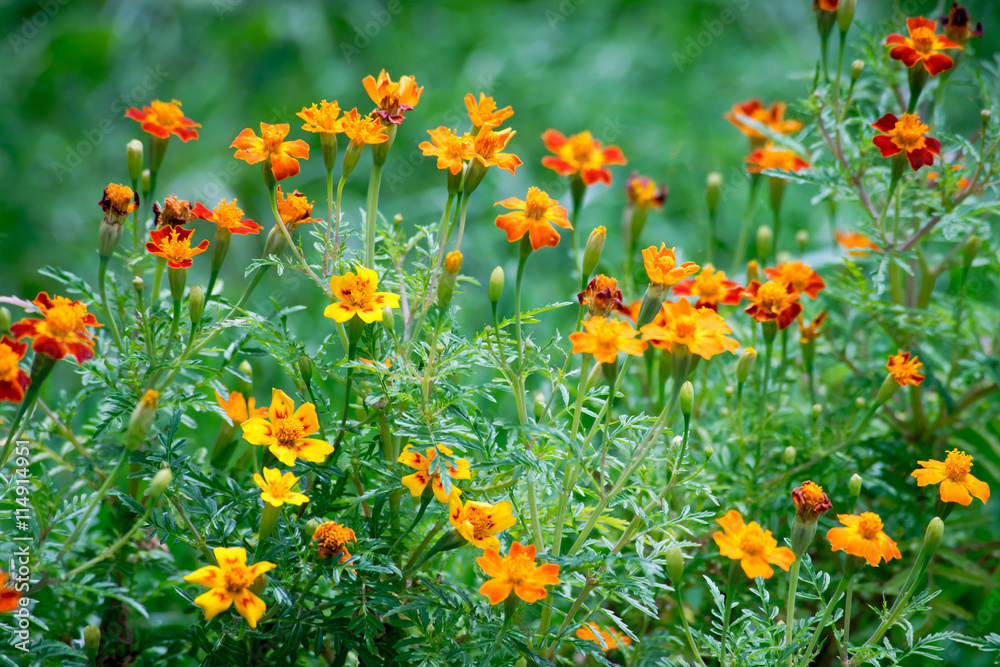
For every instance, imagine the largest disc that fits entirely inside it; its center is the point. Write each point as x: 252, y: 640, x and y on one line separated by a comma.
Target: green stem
x: 371, y: 214
x: 806, y: 658
x: 98, y: 497
x: 739, y: 256
x: 687, y: 628
x: 101, y: 271
x: 336, y: 228
x: 728, y: 612
x: 847, y: 621
x: 27, y: 406
x: 173, y: 329
x: 461, y: 220
x: 118, y: 544
x: 793, y: 582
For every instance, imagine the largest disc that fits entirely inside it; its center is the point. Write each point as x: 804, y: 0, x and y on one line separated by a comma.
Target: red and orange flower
x: 906, y: 134
x: 485, y: 112
x: 516, y: 572
x: 393, y: 98
x: 283, y: 155
x: 711, y: 288
x: 332, y: 539
x: 774, y: 301
x: 489, y: 146
x: 295, y: 209
x: 701, y: 330
x: 419, y: 480
x: 161, y: 119
x: 118, y: 201
x: 602, y: 296
x: 173, y: 243
x: 852, y: 240
x: 905, y: 370
x: 753, y: 546
x: 799, y: 275
x: 957, y: 25
x: 605, y: 338
x: 62, y: 331
x: 13, y: 380
x: 770, y: 157
x: 451, y: 149
x: 773, y: 118
x: 581, y: 155
x: 957, y: 483
x: 534, y: 216
x: 10, y: 597
x: 175, y: 211
x: 863, y: 536
x: 644, y: 192
x: 227, y: 216
x: 922, y: 46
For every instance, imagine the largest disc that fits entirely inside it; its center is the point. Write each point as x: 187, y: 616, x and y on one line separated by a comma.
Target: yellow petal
x: 214, y: 602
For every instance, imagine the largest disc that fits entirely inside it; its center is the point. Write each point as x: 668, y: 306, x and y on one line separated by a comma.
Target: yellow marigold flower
x: 161, y: 119
x: 773, y: 119
x: 362, y: 130
x: 953, y: 475
x: 602, y: 296
x: 905, y: 370
x: 61, y: 330
x: 799, y: 275
x: 774, y: 158
x: 863, y: 537
x: 322, y: 119
x: 284, y: 155
x: 13, y: 380
x: 534, y: 216
x: 173, y: 243
x: 608, y: 639
x: 451, y: 150
x: 711, y: 288
x: 753, y: 546
x: 851, y: 240
x: 239, y: 409
x: 332, y: 539
x: 419, y: 480
x: 774, y: 301
x: 516, y: 572
x: 661, y: 266
x: 581, y: 155
x: 10, y: 597
x: 810, y: 500
x: 230, y: 582
x: 488, y: 149
x: 480, y: 522
x: 277, y: 488
x: 605, y: 338
x: 485, y: 112
x: 393, y: 98
x: 285, y: 429
x: 808, y: 334
x: 702, y: 330
x: 357, y: 296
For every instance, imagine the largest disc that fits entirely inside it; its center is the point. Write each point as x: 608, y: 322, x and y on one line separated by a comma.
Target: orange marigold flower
x: 863, y: 537
x: 227, y: 216
x: 644, y: 192
x: 581, y: 155
x: 285, y: 431
x: 485, y: 112
x: 957, y: 25
x: 807, y: 334
x: 753, y: 546
x: 711, y: 288
x: 954, y: 477
x: 661, y: 266
x: 173, y: 243
x: 774, y: 158
x: 605, y: 339
x: 480, y: 522
x: 825, y: 5
x: 633, y: 310
x: 62, y: 329
x: 773, y: 119
x: 357, y: 296
x: 608, y: 639
x: 851, y: 240
x: 322, y: 119
x: 516, y: 572
x: 175, y: 211
x: 332, y: 539
x: 393, y: 98
x: 533, y: 216
x: 10, y: 597
x: 13, y: 380
x: 271, y: 145
x: 230, y: 582
x: 451, y: 150
x: 295, y: 209
x: 810, y: 501
x: 363, y: 130
x: 799, y: 275
x: 419, y: 480
x: 488, y: 150
x: 905, y: 370
x: 922, y: 46
x: 602, y: 296
x: 239, y: 409
x: 906, y: 134
x: 118, y: 201
x: 161, y: 119
x: 702, y: 330
x: 773, y: 301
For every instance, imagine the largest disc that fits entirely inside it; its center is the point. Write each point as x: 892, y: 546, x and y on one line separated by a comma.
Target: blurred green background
x: 653, y: 77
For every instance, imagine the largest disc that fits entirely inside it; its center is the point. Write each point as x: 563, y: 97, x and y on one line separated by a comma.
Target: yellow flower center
x: 150, y: 398
x: 272, y: 139
x: 870, y: 525
x: 488, y: 143
x: 120, y: 196
x: 923, y: 40
x: 771, y: 295
x: 8, y: 364
x: 908, y: 133
x: 812, y: 494
x: 643, y: 192
x: 174, y: 248
x: 293, y: 209
x: 287, y: 431
x: 537, y: 204
x: 482, y: 523
x: 360, y: 292
x: 62, y: 320
x: 753, y: 541
x: 331, y: 535
x: 167, y: 114
x: 237, y: 578
x: 228, y: 214
x: 279, y: 487
x: 685, y: 327
x: 957, y: 465
x: 706, y: 285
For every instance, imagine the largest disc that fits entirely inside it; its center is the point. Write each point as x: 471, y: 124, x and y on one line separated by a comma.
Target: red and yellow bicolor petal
x: 161, y: 119
x: 922, y: 46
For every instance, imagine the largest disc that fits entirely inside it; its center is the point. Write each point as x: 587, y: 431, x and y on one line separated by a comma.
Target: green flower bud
x: 397, y: 220
x: 885, y: 392
x: 312, y: 525
x: 765, y: 238
x: 592, y: 253
x: 521, y: 662
x: 971, y: 249
x: 92, y: 641
x: 245, y: 387
x: 753, y: 271
x: 133, y: 157
x: 984, y: 117
x: 730, y: 390
x: 675, y: 565
x: 857, y: 67
x: 142, y: 419
x: 845, y: 14
x: 306, y: 368
x: 137, y: 285
x: 538, y: 404
x: 446, y: 285
x: 746, y: 364
x: 388, y: 319
x: 496, y: 284
x: 161, y: 480
x: 802, y: 238
x: 713, y: 188
x: 708, y: 451
x: 196, y: 303
x: 933, y: 534
x: 854, y: 486
x: 177, y: 279
x: 144, y: 186
x: 789, y: 455
x: 687, y: 398
x: 817, y: 409
x: 4, y: 319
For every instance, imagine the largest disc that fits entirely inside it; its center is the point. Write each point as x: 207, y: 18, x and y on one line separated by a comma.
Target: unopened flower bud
x: 932, y: 536
x: 753, y: 271
x: 802, y: 238
x: 142, y: 419
x: 971, y: 249
x: 312, y: 525
x: 859, y: 402
x: 687, y: 398
x: 446, y: 286
x: 4, y: 319
x: 770, y: 409
x: 306, y: 368
x: 538, y: 404
x: 746, y: 364
x: 592, y: 253
x: 196, y: 303
x: 245, y: 387
x: 708, y: 451
x: 817, y: 409
x: 92, y: 641
x: 161, y: 480
x: 388, y: 320
x: 145, y: 182
x: 713, y: 188
x: 885, y: 392
x: 789, y: 455
x: 133, y: 157
x: 521, y: 662
x: 675, y: 565
x: 137, y: 285
x: 845, y: 14
x: 730, y: 390
x: 765, y: 238
x: 857, y: 67
x: 854, y: 486
x: 496, y: 284
x: 397, y: 220
x: 984, y: 117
